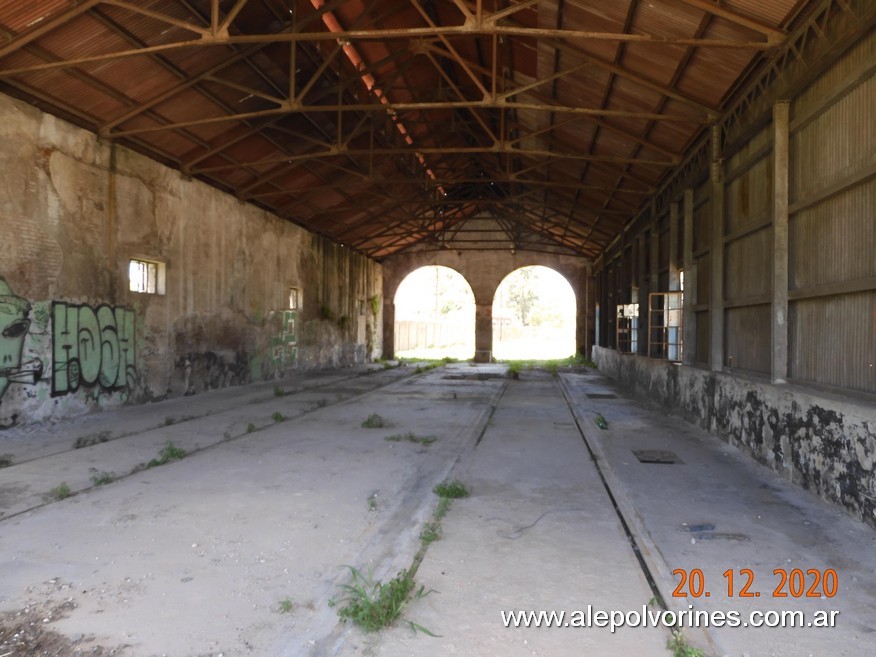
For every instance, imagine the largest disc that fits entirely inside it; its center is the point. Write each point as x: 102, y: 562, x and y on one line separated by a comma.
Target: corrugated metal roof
x: 400, y: 134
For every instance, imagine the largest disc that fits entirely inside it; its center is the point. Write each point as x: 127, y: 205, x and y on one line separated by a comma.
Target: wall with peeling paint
x: 74, y: 210
x: 823, y: 442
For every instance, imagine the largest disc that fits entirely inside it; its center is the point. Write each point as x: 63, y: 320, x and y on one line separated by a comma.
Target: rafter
x: 773, y: 34
x: 44, y: 27
x: 440, y: 32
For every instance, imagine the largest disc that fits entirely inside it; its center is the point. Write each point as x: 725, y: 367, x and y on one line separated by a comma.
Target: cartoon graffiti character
x: 14, y: 324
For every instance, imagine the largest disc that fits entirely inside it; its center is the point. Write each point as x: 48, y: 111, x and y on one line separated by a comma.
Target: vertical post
x: 582, y: 332
x: 654, y: 279
x: 641, y: 295
x: 673, y: 246
x: 779, y: 332
x: 716, y: 300
x: 388, y: 328
x: 483, y: 332
x: 689, y: 316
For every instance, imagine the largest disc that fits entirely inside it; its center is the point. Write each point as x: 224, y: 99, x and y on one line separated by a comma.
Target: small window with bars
x: 146, y: 276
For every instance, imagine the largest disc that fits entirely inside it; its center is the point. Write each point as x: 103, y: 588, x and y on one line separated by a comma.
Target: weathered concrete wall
x: 824, y: 443
x: 484, y: 271
x: 74, y: 210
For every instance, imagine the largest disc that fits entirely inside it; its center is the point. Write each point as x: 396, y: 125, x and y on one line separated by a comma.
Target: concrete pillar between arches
x: 483, y: 332
x: 388, y: 330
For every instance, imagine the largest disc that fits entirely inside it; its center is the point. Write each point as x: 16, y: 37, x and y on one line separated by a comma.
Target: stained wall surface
x: 75, y: 210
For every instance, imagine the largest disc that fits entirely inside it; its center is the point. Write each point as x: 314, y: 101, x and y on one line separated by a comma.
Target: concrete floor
x: 196, y: 557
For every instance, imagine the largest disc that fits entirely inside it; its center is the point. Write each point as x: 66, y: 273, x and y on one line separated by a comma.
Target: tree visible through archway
x: 534, y: 316
x: 434, y: 315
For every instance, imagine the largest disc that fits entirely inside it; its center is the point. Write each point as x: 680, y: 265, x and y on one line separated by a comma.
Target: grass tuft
x: 431, y: 533
x: 278, y: 391
x: 451, y: 489
x: 278, y: 416
x: 285, y: 606
x: 411, y: 437
x: 170, y: 452
x: 61, y: 491
x: 374, y: 421
x: 373, y: 605
x: 102, y: 478
x: 444, y: 505
x: 679, y: 647
x: 250, y: 427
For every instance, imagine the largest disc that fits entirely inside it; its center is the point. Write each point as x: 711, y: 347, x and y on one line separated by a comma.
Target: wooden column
x: 716, y: 300
x: 779, y: 332
x: 641, y: 294
x: 689, y: 317
x: 673, y: 247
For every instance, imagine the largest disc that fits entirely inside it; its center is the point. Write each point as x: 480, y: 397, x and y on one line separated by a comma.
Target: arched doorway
x: 534, y: 313
x: 434, y: 315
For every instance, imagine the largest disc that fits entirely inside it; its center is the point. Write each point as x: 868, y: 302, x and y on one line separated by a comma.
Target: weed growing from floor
x: 372, y: 501
x: 278, y: 391
x: 286, y: 606
x: 411, y: 437
x: 443, y: 507
x: 250, y: 427
x: 680, y: 648
x: 278, y: 416
x: 99, y: 478
x: 451, y: 490
x: 61, y: 491
x: 169, y: 452
x: 168, y: 421
x: 5, y: 460
x: 431, y: 533
x: 374, y: 421
x: 373, y: 605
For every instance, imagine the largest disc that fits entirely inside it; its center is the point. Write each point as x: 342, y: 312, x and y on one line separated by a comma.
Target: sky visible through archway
x: 434, y: 315
x: 534, y: 316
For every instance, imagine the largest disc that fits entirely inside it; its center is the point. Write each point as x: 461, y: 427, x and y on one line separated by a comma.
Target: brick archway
x: 484, y: 271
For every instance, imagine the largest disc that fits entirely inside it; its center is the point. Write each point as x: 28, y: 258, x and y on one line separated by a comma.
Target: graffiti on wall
x: 284, y: 347
x: 91, y: 347
x: 14, y: 325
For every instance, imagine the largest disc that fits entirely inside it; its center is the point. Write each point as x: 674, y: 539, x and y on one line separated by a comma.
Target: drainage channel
x: 638, y: 538
x: 634, y: 544
x: 269, y: 396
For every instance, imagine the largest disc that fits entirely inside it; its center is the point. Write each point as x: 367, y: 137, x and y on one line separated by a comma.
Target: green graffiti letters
x: 91, y: 346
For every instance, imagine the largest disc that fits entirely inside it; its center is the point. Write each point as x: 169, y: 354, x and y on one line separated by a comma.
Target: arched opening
x: 434, y: 315
x: 534, y: 314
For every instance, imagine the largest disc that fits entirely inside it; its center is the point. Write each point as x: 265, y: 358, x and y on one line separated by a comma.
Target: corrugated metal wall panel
x: 747, y: 338
x: 663, y: 261
x: 702, y: 226
x: 749, y: 198
x: 748, y: 267
x: 703, y: 329
x: 840, y: 141
x: 860, y: 54
x: 704, y: 279
x: 836, y: 240
x: 833, y: 341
